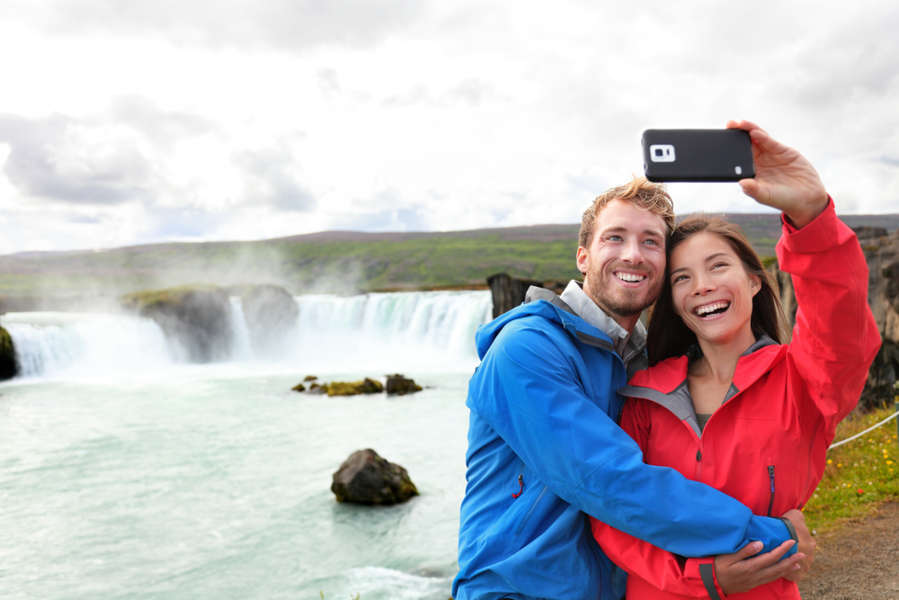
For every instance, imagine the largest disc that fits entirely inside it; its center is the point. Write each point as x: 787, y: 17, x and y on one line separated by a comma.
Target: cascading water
x: 430, y: 331
x: 51, y: 344
x: 128, y: 473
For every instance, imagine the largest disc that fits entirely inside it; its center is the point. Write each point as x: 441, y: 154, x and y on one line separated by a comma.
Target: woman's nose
x: 702, y: 285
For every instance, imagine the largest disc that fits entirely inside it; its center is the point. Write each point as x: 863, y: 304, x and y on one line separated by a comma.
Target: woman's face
x: 711, y: 290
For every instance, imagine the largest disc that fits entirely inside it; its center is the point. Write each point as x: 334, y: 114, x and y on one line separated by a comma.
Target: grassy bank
x: 859, y: 475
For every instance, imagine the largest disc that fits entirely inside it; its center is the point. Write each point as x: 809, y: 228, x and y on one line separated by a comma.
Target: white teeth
x: 630, y: 277
x: 706, y: 309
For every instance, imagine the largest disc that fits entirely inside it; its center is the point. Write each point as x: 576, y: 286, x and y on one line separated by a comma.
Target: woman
x: 726, y: 401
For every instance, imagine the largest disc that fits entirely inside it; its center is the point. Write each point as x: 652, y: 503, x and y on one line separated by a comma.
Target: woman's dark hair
x: 668, y: 336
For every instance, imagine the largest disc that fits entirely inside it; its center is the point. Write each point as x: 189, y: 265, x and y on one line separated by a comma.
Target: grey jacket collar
x: 628, y: 345
x: 679, y: 401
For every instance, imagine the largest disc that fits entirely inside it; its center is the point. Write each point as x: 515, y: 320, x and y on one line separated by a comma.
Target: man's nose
x: 632, y: 251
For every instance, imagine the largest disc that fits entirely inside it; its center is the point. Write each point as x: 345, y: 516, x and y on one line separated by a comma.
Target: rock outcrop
x: 367, y: 478
x: 508, y: 292
x: 340, y: 388
x: 882, y: 255
x: 399, y: 385
x: 271, y: 315
x: 195, y: 319
x: 9, y: 367
x: 352, y: 388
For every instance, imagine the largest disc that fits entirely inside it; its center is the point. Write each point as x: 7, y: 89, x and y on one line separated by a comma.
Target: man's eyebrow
x: 621, y: 228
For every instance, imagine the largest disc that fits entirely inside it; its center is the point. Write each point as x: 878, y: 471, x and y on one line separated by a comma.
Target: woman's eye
x: 678, y: 278
x: 719, y: 265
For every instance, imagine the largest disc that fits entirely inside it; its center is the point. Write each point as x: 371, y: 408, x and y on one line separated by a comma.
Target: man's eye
x: 651, y: 242
x: 614, y: 238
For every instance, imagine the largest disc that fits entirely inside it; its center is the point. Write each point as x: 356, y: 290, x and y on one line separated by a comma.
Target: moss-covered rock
x: 352, y: 388
x: 367, y: 478
x: 195, y: 319
x: 9, y: 367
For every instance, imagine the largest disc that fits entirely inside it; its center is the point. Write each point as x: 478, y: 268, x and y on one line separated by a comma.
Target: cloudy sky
x: 128, y: 122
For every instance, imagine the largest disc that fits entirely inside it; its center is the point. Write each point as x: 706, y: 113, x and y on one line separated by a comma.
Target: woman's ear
x: 755, y: 284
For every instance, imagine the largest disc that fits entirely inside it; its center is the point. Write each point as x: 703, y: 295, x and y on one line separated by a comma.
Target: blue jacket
x: 543, y: 446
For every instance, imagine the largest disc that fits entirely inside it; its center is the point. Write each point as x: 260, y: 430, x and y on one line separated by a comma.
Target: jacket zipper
x: 524, y: 519
x: 771, y: 479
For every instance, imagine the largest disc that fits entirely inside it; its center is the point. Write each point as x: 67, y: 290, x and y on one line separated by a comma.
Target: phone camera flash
x: 738, y: 170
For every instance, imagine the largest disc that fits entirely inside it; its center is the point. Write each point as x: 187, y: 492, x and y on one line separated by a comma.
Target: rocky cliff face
x: 196, y: 319
x: 271, y: 315
x: 8, y: 365
x: 508, y: 292
x: 882, y: 253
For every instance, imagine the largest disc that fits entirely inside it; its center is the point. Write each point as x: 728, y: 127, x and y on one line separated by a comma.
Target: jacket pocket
x: 771, y: 488
x: 530, y: 511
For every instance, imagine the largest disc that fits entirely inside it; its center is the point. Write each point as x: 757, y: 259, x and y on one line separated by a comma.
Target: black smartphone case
x: 697, y: 155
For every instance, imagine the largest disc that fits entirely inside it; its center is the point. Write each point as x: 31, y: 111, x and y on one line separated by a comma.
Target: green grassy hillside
x: 336, y: 261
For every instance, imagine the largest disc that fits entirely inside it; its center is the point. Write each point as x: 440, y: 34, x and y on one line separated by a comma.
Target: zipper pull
x: 771, y: 478
x: 520, y: 486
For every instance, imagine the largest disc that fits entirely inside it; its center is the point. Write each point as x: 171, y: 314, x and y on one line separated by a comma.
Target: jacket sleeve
x: 835, y: 337
x: 528, y: 389
x: 693, y: 577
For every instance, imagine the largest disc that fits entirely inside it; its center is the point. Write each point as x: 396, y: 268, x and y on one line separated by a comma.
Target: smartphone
x: 697, y: 155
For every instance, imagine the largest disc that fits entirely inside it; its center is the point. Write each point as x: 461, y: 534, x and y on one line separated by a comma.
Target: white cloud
x: 200, y: 120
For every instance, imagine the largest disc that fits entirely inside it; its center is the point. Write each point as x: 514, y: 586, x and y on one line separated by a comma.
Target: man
x: 544, y: 445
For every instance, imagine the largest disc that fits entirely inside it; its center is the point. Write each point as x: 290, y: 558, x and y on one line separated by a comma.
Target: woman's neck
x: 719, y: 360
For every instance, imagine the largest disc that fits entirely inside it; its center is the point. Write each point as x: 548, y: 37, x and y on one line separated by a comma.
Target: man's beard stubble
x: 614, y: 307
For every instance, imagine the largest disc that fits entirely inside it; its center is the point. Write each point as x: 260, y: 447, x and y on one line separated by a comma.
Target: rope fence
x: 869, y: 429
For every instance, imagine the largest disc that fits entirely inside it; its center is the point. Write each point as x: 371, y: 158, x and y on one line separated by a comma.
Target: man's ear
x: 583, y: 260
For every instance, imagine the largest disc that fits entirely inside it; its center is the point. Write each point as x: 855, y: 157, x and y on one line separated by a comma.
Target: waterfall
x: 53, y: 343
x: 372, y: 332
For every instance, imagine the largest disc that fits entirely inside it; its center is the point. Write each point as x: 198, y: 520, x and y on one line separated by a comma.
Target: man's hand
x: 807, y: 543
x: 746, y: 569
x: 783, y: 179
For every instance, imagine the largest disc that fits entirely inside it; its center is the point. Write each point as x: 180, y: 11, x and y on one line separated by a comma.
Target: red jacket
x: 766, y: 445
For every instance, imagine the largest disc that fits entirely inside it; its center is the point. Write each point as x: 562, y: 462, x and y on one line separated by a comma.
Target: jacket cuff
x: 790, y: 528
x: 823, y: 232
x: 704, y: 569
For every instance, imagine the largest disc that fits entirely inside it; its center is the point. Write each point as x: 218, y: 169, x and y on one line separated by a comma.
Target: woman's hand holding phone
x: 784, y: 179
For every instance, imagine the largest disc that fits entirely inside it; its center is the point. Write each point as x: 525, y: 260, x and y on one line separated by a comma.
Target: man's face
x: 624, y: 264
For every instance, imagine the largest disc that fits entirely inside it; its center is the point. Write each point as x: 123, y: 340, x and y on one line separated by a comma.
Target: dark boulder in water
x: 400, y: 385
x: 9, y: 368
x: 367, y: 478
x: 195, y: 319
x: 271, y: 314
